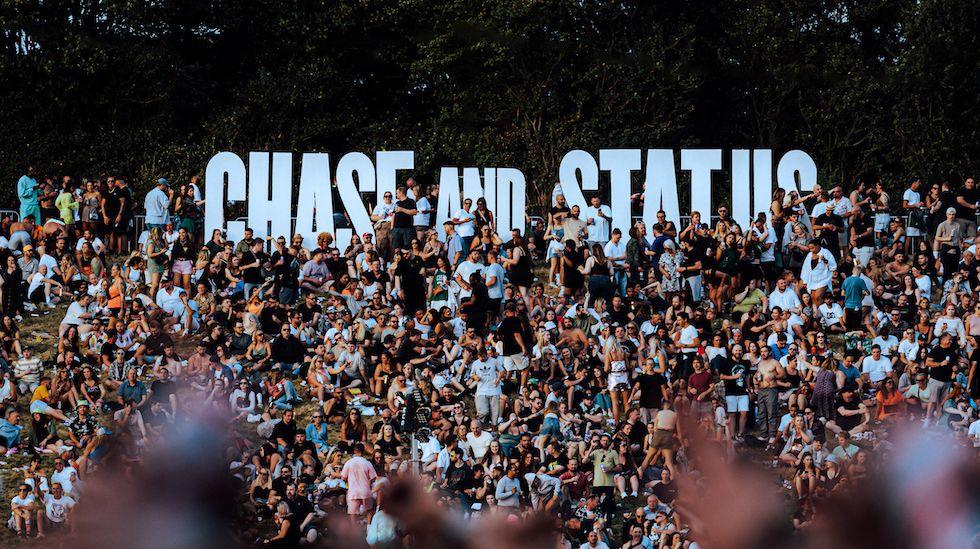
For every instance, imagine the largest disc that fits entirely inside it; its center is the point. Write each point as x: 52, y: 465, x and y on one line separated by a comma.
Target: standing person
x: 519, y: 265
x: 465, y: 223
x: 599, y: 273
x: 818, y: 271
x: 91, y: 207
x: 946, y: 244
x: 597, y: 217
x: 402, y: 223
x: 767, y: 375
x: 157, y: 205
x: 47, y: 192
x: 422, y: 218
x: 156, y: 258
x: 27, y: 194
x: 67, y: 206
x: 183, y: 256
x: 605, y: 464
x: 488, y: 375
x: 734, y: 374
x: 615, y: 251
x: 913, y: 205
x: 119, y: 225
x: 494, y: 274
x: 615, y: 365
x: 514, y: 348
x: 359, y: 475
x: 382, y: 217
x: 110, y: 211
x: 967, y: 203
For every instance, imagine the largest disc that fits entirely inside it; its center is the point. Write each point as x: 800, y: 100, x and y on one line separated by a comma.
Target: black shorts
x: 121, y: 228
x: 37, y: 296
x: 769, y: 270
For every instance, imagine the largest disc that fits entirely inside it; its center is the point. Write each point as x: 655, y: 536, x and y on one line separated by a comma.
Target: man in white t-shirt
x: 488, y: 374
x: 57, y: 508
x: 887, y: 342
x: 911, y: 199
x: 48, y: 261
x: 97, y: 245
x: 785, y: 297
x: 23, y: 509
x: 494, y: 275
x: 463, y: 272
x: 615, y: 251
x: 831, y: 316
x: 77, y: 315
x: 597, y: 217
x: 465, y: 223
x: 65, y: 475
x: 876, y: 367
x: 478, y: 440
x: 421, y: 220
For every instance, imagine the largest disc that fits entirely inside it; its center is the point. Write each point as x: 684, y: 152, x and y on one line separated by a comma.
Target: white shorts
x: 737, y: 403
x: 515, y: 363
x: 39, y: 407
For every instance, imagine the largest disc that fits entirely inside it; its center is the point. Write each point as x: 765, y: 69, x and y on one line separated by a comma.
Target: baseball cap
x: 163, y: 181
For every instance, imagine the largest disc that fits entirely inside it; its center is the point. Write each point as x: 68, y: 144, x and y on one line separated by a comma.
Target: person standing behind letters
x: 27, y: 193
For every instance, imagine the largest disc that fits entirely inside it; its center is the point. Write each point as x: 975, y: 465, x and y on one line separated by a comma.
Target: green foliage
x: 870, y: 88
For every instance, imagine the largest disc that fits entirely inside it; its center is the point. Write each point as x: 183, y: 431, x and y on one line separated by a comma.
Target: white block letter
x: 315, y: 205
x: 621, y: 163
x: 701, y: 162
x: 350, y: 194
x: 221, y: 165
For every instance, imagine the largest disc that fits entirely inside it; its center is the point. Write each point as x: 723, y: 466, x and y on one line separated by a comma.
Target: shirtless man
x: 766, y: 377
x: 573, y: 337
x: 21, y: 233
x: 666, y: 434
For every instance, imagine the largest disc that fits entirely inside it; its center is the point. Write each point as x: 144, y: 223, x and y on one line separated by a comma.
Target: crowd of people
x: 566, y: 369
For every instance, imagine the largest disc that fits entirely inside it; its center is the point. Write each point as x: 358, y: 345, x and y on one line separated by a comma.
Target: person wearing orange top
x: 890, y: 400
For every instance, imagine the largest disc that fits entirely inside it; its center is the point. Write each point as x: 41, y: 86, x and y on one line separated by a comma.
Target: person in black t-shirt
x: 286, y: 270
x: 830, y: 226
x: 652, y: 387
x: 734, y: 373
x: 123, y: 213
x: 410, y: 273
x: 515, y: 345
x: 851, y: 414
x: 402, y: 228
x: 251, y: 266
x: 967, y: 199
x: 940, y: 362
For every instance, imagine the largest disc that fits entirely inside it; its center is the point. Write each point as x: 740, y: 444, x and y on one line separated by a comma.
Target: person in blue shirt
x: 855, y: 288
x: 10, y: 430
x: 850, y: 371
x: 27, y: 193
x: 316, y: 432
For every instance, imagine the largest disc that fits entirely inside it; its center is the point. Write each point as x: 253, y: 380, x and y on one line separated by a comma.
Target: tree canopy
x: 870, y: 88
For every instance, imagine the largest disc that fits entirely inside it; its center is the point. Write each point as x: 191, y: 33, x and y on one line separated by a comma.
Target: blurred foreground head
x: 923, y: 493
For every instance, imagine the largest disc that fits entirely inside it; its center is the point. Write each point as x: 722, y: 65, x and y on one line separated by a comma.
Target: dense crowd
x: 565, y: 369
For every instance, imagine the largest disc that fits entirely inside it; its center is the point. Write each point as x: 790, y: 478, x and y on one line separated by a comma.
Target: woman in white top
x: 617, y: 373
x: 818, y: 272
x: 951, y: 324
